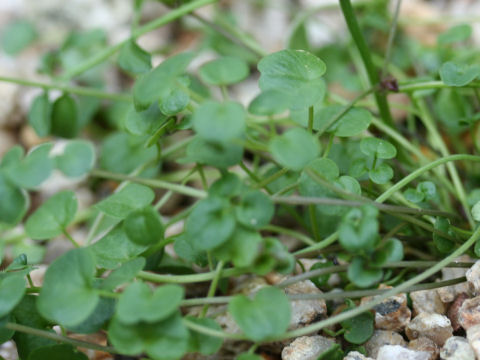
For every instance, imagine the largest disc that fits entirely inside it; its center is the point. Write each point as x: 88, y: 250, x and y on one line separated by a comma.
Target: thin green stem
x: 313, y: 222
x: 78, y: 90
x: 420, y: 171
x: 109, y: 51
x: 59, y: 338
x: 310, y: 119
x: 213, y: 286
x: 181, y: 189
x: 373, y: 76
x: 70, y: 238
x: 289, y: 232
x: 377, y: 300
x: 426, y: 85
x: 193, y: 278
x: 391, y: 38
x: 212, y: 332
x: 272, y: 178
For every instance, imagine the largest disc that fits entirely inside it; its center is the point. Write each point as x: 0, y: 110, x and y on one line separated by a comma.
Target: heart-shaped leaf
x: 32, y: 170
x: 378, y: 148
x: 269, y: 102
x: 144, y: 226
x: 266, y: 315
x: 134, y: 59
x: 295, y: 148
x: 175, y: 102
x: 224, y: 71
x: 296, y: 73
x: 130, y: 198
x: 453, y: 74
x: 360, y: 328
x: 359, y: 229
x: 361, y: 275
x: 255, y: 209
x: 210, y: 223
x: 77, y: 158
x: 73, y: 301
x: 381, y: 174
x: 220, y: 122
x: 53, y: 216
x: 139, y: 304
x: 241, y: 248
x: 167, y: 339
x: 353, y: 122
x: 12, y: 289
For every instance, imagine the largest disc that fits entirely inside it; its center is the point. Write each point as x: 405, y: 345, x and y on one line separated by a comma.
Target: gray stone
x: 425, y: 344
x: 306, y: 348
x: 381, y: 338
x: 449, y: 293
x: 473, y: 277
x: 355, y: 355
x: 457, y: 348
x: 433, y: 326
x: 397, y: 352
x: 473, y: 337
x: 469, y: 313
x: 427, y: 301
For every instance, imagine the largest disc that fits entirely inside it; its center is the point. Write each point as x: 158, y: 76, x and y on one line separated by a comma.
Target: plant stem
x: 373, y: 76
x: 181, y: 189
x: 185, y: 279
x: 78, y: 90
x: 292, y: 233
x: 213, y: 286
x: 310, y: 119
x: 425, y: 85
x: 59, y: 338
x: 152, y: 25
x: 377, y: 300
x: 391, y: 37
x: 70, y: 238
x: 212, y: 332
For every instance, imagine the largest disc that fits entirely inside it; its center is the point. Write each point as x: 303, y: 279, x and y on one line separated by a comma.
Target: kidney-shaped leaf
x: 294, y: 72
x: 265, y: 316
x: 77, y: 158
x: 139, y: 304
x: 12, y: 288
x: 454, y: 74
x: 379, y: 148
x: 295, y: 148
x: 224, y: 71
x: 144, y: 227
x: 53, y: 216
x: 67, y: 296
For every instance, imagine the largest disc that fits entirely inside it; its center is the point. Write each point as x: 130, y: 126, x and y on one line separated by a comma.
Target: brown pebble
x: 453, y: 312
x: 425, y: 344
x: 469, y: 313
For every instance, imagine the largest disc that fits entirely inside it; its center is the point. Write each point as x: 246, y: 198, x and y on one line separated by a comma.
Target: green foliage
x: 53, y: 217
x: 359, y: 328
x: 257, y: 317
x: 224, y: 71
x: 64, y: 122
x: 134, y: 59
x: 12, y: 288
x: 144, y: 226
x: 77, y: 159
x: 17, y: 35
x: 454, y: 74
x: 39, y: 116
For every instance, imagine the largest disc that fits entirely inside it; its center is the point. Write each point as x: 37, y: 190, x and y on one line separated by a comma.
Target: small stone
x: 469, y: 313
x: 457, y: 348
x: 427, y: 301
x: 473, y: 277
x: 449, y: 293
x: 306, y: 348
x: 434, y: 326
x: 392, y: 313
x: 473, y: 337
x: 381, y: 338
x: 425, y: 344
x: 304, y: 312
x: 355, y: 355
x: 397, y: 352
x: 453, y: 312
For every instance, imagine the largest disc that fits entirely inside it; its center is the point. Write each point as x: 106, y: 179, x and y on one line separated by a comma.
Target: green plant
x: 297, y: 154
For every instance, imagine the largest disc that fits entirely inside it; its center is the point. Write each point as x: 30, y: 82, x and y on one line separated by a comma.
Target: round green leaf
x: 224, y: 71
x: 57, y: 352
x: 52, y: 217
x: 241, y: 248
x: 167, y: 339
x: 39, y: 116
x: 453, y: 74
x: 14, y: 204
x: 293, y: 72
x: 138, y: 304
x: 229, y: 185
x: 413, y: 195
x: 67, y: 296
x: 295, y: 148
x: 381, y: 174
x: 269, y: 102
x: 34, y: 169
x: 358, y: 229
x: 428, y: 189
x: 144, y: 122
x: 218, y: 154
x: 115, y: 248
x: 476, y: 211
x: 175, y: 102
x: 378, y: 148
x: 159, y: 82
x: 77, y: 158
x: 455, y: 34
x: 134, y: 59
x: 359, y: 274
x: 443, y: 244
x: 353, y: 122
x: 94, y: 323
x: 255, y: 210
x: 359, y: 328
x: 257, y: 318
x: 219, y: 122
x: 17, y: 36
x: 144, y: 226
x: 130, y: 198
x: 202, y: 343
x: 210, y: 223
x: 64, y: 117
x: 12, y: 289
